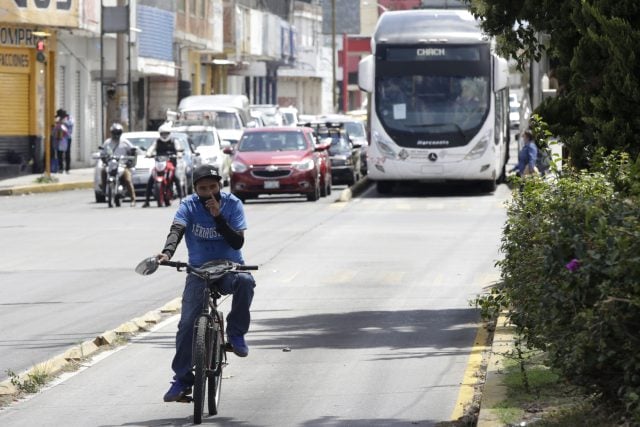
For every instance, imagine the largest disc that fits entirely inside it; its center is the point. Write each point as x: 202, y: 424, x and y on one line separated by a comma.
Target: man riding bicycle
x: 167, y: 146
x: 213, y: 225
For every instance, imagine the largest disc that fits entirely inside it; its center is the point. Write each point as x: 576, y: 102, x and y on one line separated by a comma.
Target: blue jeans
x: 240, y: 285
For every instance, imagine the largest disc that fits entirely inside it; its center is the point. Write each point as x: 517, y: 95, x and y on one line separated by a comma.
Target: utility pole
x: 122, y: 83
x: 333, y: 55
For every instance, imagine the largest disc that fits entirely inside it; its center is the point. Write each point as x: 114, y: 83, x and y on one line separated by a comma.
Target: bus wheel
x: 384, y: 187
x: 489, y: 186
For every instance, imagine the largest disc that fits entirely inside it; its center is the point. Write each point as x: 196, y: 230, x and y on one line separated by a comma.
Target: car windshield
x: 355, y: 129
x: 289, y: 118
x: 142, y: 142
x: 201, y: 138
x: 272, y: 141
x: 338, y: 145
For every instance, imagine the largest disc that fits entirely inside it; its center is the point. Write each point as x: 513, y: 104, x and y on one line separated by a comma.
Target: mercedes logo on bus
x: 433, y: 157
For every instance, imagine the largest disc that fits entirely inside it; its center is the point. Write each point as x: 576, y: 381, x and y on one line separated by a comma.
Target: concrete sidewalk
x: 36, y: 183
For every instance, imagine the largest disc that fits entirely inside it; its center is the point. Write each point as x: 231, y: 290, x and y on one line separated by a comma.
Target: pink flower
x: 573, y: 265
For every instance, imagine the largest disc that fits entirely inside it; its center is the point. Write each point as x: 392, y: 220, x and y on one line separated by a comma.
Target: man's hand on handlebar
x: 162, y: 258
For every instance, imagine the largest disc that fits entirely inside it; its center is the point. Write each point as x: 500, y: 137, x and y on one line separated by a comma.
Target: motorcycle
x: 115, y: 191
x: 163, y: 177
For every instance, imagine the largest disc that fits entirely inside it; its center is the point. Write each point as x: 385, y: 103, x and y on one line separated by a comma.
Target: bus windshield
x: 433, y: 104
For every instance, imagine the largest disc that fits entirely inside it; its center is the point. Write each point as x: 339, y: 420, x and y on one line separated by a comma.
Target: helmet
x: 165, y: 132
x: 116, y: 130
x: 205, y: 171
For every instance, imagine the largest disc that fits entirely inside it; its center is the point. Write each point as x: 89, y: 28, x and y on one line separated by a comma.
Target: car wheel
x: 100, y: 198
x: 323, y: 188
x: 315, y: 194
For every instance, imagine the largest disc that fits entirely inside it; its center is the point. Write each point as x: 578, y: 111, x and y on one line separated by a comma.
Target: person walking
x: 213, y: 225
x: 527, y: 156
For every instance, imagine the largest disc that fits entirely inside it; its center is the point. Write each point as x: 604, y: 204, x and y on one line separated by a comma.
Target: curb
x: 494, y: 390
x: 9, y: 388
x: 45, y: 188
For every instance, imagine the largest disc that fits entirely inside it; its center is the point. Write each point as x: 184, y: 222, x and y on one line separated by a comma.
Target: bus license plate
x: 270, y: 185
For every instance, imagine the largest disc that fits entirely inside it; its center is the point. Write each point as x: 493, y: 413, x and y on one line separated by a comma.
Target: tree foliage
x: 593, y: 48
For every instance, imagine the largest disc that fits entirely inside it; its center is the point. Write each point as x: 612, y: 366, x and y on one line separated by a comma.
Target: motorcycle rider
x: 118, y: 146
x: 168, y: 146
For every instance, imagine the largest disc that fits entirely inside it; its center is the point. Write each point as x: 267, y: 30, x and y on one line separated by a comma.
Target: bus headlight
x: 383, y: 146
x: 479, y: 150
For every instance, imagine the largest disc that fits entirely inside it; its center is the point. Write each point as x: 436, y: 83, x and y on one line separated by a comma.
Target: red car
x: 279, y: 160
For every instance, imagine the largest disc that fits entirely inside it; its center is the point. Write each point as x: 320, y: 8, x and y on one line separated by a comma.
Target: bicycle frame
x: 209, y: 346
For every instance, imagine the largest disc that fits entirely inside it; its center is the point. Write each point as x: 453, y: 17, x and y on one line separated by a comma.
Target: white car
x: 289, y: 116
x: 209, y: 145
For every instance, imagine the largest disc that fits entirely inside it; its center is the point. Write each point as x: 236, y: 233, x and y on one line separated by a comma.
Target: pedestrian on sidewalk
x: 64, y: 161
x: 527, y: 156
x: 60, y: 142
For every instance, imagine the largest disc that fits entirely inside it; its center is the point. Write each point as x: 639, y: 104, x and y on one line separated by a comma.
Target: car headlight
x: 238, y: 167
x: 383, y: 146
x: 305, y: 165
x: 479, y: 149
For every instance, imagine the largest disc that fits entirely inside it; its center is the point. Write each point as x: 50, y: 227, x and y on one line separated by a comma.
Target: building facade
x: 129, y: 61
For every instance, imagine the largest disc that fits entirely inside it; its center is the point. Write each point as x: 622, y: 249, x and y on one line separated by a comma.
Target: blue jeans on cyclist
x: 241, y: 286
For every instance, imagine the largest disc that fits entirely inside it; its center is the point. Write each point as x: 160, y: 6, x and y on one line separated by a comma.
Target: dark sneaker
x: 238, y: 346
x: 145, y: 205
x: 177, y: 392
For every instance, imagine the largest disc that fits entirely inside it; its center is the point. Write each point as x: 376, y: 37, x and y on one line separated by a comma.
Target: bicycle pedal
x: 185, y: 399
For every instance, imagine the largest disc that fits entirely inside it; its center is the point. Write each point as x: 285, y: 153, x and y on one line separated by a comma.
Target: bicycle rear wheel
x: 202, y: 360
x: 215, y: 378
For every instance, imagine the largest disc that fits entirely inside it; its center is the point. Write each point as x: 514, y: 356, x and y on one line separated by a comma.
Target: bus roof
x: 428, y: 26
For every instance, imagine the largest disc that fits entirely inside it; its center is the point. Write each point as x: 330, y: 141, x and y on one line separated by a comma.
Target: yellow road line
x: 470, y: 379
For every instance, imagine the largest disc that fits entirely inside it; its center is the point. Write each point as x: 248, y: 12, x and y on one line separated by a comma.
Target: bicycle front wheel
x: 201, y: 359
x: 215, y: 378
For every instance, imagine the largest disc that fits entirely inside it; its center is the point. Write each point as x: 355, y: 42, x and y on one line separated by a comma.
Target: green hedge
x: 571, y: 275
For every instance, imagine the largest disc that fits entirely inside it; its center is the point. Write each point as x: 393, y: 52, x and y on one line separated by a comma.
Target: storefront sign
x: 15, y: 61
x: 56, y: 13
x: 17, y: 36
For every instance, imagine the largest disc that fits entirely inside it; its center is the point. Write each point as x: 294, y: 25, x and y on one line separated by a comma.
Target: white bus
x: 439, y: 100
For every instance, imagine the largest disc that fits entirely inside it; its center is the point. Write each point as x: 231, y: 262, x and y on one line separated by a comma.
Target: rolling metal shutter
x: 15, y: 103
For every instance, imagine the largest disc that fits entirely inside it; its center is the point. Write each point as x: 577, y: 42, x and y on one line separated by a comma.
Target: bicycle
x: 209, y: 346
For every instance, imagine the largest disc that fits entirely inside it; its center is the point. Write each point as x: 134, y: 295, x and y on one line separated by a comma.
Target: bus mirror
x: 365, y: 74
x: 501, y: 73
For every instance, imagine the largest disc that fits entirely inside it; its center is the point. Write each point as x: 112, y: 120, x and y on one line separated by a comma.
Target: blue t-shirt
x: 204, y: 243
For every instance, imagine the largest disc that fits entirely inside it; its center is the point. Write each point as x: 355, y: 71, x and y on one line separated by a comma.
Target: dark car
x: 357, y: 131
x: 345, y: 155
x: 276, y: 160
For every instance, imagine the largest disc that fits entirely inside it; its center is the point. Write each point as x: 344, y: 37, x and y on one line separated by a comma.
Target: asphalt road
x: 370, y: 297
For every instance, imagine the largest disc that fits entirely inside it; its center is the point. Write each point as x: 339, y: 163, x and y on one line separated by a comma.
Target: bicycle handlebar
x: 234, y: 266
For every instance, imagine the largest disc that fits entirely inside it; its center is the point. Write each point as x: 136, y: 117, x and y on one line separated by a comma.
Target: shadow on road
x: 448, y: 329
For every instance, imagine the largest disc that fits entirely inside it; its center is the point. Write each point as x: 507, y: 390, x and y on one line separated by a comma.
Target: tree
x: 592, y: 45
